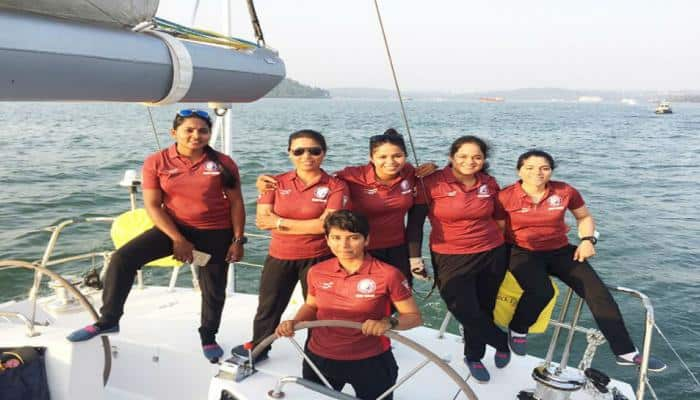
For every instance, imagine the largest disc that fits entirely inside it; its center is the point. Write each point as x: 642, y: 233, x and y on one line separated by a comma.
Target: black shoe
x: 242, y: 354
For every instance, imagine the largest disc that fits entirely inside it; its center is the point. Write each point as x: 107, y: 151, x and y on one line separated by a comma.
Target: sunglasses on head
x: 314, y: 151
x: 189, y: 112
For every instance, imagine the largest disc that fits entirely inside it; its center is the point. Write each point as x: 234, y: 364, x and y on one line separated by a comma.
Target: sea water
x: 638, y: 172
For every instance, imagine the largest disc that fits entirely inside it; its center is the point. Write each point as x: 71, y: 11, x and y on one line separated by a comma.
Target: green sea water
x: 638, y: 172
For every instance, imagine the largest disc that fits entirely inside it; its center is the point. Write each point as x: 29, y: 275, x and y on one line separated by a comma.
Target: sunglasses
x: 314, y: 151
x: 190, y: 112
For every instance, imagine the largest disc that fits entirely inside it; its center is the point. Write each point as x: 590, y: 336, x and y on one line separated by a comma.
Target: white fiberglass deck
x: 157, y: 355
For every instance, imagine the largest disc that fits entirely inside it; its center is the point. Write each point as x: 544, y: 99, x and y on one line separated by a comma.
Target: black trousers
x: 532, y: 269
x: 469, y: 284
x: 370, y: 377
x: 396, y: 256
x: 276, y: 287
x: 154, y: 244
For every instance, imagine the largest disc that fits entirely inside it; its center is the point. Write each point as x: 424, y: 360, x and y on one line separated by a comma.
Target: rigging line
x: 403, y: 110
x: 194, y: 12
x: 153, y: 126
x: 687, y: 368
x: 257, y: 29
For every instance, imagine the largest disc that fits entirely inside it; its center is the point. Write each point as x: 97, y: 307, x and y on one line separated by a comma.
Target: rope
x: 692, y: 375
x: 153, y: 126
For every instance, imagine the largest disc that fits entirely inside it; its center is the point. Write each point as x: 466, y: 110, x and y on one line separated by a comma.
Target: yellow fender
x: 507, y: 299
x: 130, y: 225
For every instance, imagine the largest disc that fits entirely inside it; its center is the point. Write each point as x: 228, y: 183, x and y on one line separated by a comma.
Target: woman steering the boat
x: 354, y: 286
x: 382, y: 190
x: 534, y: 211
x: 294, y: 213
x: 467, y: 247
x: 192, y: 193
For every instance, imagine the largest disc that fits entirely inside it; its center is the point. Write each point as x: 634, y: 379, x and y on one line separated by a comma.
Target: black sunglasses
x: 314, y: 151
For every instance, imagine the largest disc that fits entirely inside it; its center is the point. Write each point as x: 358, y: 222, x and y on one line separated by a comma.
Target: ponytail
x: 227, y: 178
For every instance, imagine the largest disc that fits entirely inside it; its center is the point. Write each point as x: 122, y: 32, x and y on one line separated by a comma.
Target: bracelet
x: 279, y: 223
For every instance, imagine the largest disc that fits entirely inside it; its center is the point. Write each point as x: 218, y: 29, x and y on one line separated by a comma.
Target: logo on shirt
x: 210, y: 168
x: 371, y: 191
x: 327, y: 285
x: 405, y: 187
x: 285, y: 192
x: 321, y: 193
x: 452, y: 194
x: 172, y: 171
x: 405, y: 284
x: 555, y: 203
x: 366, y: 288
x: 345, y: 200
x: 483, y: 191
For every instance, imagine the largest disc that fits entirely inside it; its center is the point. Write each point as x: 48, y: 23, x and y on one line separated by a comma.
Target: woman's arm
x: 307, y: 312
x: 153, y: 200
x: 414, y: 229
x: 586, y: 227
x: 408, y: 317
x: 235, y: 198
x: 267, y: 220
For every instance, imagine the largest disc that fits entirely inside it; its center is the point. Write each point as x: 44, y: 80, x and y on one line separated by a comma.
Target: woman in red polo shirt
x: 294, y: 213
x: 354, y: 286
x: 193, y: 195
x: 534, y: 210
x: 468, y: 254
x: 383, y: 190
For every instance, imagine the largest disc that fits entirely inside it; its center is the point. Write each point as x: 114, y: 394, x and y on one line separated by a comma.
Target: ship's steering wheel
x: 78, y: 295
x: 429, y: 355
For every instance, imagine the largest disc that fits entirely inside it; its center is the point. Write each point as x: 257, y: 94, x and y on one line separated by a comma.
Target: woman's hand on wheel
x: 182, y: 250
x: 373, y: 327
x: 286, y: 328
x: 584, y: 251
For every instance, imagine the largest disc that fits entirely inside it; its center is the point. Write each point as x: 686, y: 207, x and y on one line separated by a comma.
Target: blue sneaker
x: 90, y: 332
x: 654, y: 364
x: 501, y: 359
x: 518, y: 344
x: 212, y: 352
x: 478, y: 371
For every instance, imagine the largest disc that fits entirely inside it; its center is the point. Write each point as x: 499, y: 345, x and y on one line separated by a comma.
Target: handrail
x: 464, y: 387
x: 25, y: 320
x: 78, y: 295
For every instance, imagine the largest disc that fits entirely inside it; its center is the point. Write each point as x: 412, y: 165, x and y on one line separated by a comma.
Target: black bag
x: 26, y: 381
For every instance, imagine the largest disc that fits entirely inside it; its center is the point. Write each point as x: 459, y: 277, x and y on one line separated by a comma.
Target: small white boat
x: 629, y: 102
x: 664, y: 108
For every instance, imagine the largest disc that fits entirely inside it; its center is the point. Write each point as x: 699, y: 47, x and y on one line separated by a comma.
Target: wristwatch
x: 591, y: 239
x: 393, y: 322
x: 240, y: 240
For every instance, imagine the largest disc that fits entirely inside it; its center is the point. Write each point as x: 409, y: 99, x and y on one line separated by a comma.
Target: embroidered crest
x: 554, y: 201
x: 366, y: 286
x: 371, y: 191
x: 483, y: 190
x: 211, y: 166
x: 327, y: 285
x: 405, y: 185
x: 321, y: 192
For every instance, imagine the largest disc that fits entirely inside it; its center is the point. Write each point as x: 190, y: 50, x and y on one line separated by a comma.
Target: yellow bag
x: 131, y: 224
x: 507, y: 299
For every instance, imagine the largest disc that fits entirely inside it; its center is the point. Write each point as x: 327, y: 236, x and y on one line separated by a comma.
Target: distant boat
x: 664, y: 108
x: 492, y: 99
x: 590, y: 99
x: 630, y: 102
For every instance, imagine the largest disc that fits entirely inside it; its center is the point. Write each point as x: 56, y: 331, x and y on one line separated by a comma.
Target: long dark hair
x: 228, y: 180
x: 483, y: 146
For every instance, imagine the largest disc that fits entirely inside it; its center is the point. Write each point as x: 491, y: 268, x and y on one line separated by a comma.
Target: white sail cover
x: 111, y: 12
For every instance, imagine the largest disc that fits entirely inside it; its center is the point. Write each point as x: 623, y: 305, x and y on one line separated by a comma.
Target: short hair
x: 347, y: 220
x: 309, y: 134
x: 535, y: 153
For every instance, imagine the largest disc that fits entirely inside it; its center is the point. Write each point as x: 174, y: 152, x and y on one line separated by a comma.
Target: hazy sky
x: 463, y: 45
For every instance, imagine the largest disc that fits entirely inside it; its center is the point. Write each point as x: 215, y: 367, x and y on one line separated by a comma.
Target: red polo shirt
x: 294, y: 200
x: 462, y: 219
x: 193, y: 193
x: 366, y: 294
x: 538, y: 226
x: 384, y: 205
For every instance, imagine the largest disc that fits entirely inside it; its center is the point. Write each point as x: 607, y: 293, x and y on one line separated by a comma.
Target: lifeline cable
x: 687, y: 368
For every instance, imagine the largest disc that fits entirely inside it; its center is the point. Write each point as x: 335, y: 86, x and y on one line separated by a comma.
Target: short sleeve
x: 498, y: 211
x: 398, y: 286
x: 149, y: 174
x: 575, y: 199
x: 310, y: 279
x: 339, y: 196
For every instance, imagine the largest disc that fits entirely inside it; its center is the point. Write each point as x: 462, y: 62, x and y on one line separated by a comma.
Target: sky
x: 463, y: 45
